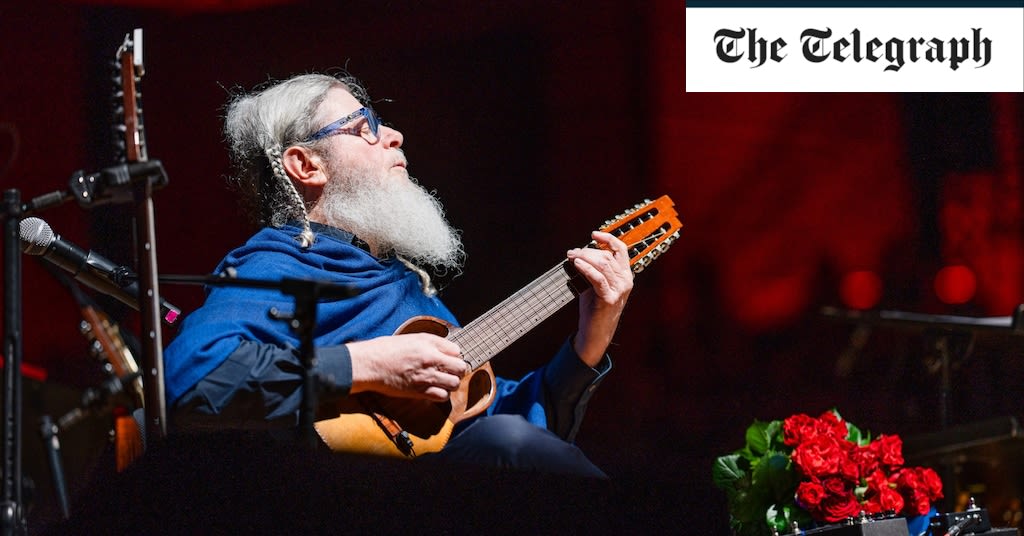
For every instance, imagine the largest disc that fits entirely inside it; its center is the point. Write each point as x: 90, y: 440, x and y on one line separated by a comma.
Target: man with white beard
x: 329, y: 185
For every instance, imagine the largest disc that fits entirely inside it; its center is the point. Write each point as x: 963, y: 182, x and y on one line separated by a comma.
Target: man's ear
x: 304, y: 167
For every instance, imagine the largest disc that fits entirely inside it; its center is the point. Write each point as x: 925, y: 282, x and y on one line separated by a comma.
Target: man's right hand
x: 414, y: 365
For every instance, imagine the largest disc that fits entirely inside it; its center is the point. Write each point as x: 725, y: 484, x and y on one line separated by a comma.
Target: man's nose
x: 390, y: 137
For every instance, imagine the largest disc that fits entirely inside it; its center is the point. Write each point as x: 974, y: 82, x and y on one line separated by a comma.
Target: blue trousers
x: 510, y: 441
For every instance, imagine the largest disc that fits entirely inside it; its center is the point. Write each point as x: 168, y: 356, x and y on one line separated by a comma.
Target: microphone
x: 91, y: 269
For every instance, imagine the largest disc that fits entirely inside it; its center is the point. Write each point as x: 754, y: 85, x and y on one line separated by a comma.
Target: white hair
x: 259, y: 126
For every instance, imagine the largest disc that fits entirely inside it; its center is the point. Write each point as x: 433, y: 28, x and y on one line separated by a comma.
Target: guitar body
x: 367, y: 422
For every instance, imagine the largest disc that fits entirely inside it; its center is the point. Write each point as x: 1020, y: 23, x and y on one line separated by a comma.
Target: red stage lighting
x: 955, y: 284
x: 861, y: 289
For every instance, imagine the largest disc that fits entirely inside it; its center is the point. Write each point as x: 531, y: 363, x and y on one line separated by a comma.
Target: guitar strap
x: 392, y: 429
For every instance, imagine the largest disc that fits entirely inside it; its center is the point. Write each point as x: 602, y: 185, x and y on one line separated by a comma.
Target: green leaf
x: 726, y: 471
x: 853, y: 434
x: 774, y: 478
x: 775, y: 437
x: 758, y: 438
x: 856, y: 435
x: 786, y: 514
x: 747, y: 455
x: 776, y: 518
x: 859, y: 492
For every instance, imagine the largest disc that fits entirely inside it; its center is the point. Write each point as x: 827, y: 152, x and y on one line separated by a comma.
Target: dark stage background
x: 536, y: 121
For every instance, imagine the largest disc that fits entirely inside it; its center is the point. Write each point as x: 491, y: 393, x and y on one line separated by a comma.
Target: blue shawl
x: 389, y: 294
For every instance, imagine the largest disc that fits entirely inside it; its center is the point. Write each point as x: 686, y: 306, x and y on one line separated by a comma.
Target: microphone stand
x: 302, y: 320
x: 11, y: 509
x: 49, y: 432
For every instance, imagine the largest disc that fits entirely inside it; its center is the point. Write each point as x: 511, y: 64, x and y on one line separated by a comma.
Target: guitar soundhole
x: 479, y: 388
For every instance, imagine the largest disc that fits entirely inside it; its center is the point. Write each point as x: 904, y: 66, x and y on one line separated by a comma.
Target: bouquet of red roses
x: 824, y: 469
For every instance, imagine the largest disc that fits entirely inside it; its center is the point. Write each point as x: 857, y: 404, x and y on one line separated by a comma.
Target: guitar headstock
x: 128, y: 129
x: 648, y: 229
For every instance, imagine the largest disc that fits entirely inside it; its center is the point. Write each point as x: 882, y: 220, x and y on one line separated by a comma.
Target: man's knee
x: 510, y: 434
x: 512, y: 441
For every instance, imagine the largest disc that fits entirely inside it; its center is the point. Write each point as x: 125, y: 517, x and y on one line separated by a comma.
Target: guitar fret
x: 501, y: 326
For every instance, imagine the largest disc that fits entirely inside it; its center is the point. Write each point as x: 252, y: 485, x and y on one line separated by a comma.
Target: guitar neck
x: 647, y: 230
x: 504, y: 324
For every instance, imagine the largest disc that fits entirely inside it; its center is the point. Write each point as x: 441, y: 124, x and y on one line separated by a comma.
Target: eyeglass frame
x: 335, y: 127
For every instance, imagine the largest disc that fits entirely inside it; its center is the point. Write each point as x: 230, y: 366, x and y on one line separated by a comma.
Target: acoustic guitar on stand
x: 370, y: 423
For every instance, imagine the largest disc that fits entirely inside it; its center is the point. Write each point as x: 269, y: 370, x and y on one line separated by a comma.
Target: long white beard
x: 392, y: 216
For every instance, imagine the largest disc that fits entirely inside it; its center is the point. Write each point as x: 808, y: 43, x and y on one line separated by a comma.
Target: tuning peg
x: 96, y: 349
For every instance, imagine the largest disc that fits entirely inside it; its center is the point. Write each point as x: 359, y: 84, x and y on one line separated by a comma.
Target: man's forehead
x: 339, y: 102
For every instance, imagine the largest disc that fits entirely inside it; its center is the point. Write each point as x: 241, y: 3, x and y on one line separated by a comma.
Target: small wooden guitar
x: 375, y: 424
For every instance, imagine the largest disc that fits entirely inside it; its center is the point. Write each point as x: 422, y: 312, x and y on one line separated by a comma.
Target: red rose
x: 819, y: 456
x: 865, y: 457
x: 919, y: 486
x: 810, y: 494
x: 930, y: 482
x: 918, y: 503
x: 831, y: 424
x: 830, y: 499
x: 797, y: 429
x: 883, y: 500
x: 906, y: 478
x: 881, y: 494
x: 835, y: 486
x: 876, y: 480
x: 889, y: 450
x: 848, y: 468
x: 839, y: 507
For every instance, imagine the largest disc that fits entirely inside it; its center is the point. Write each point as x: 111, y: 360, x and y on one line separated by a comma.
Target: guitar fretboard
x: 496, y: 329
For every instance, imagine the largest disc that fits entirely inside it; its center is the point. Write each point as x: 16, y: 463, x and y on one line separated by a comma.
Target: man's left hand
x: 611, y: 280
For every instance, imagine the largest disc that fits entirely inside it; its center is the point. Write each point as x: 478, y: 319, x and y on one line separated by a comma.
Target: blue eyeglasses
x: 369, y: 129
